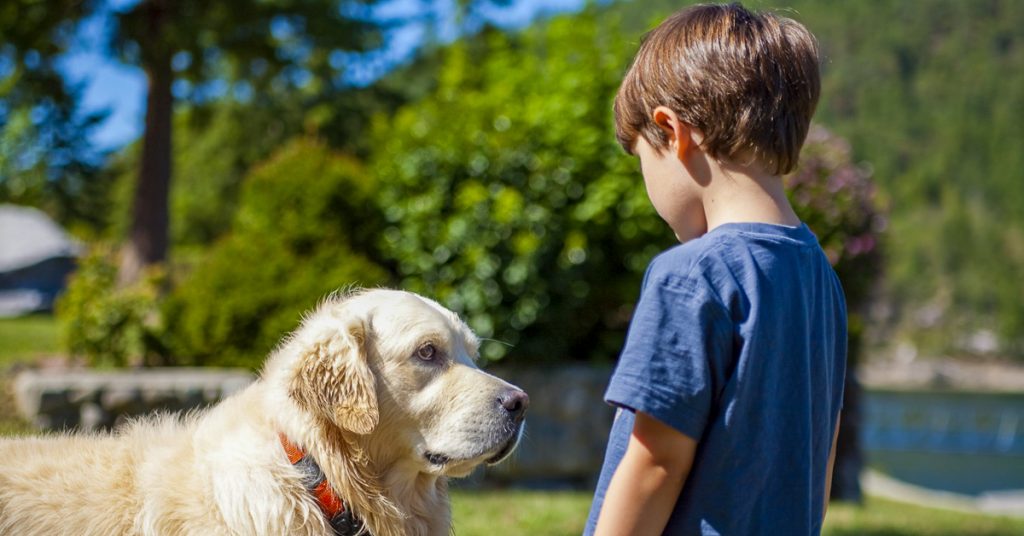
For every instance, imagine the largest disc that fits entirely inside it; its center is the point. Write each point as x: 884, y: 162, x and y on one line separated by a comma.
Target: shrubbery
x: 508, y: 199
x: 107, y: 324
x: 302, y: 230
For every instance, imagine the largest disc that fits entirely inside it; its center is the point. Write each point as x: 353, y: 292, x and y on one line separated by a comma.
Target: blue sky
x: 120, y: 89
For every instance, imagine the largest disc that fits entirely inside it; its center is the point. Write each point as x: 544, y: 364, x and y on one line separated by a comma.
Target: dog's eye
x: 427, y: 352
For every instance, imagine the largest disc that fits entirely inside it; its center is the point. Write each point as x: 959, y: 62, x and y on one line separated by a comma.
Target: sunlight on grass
x: 880, y: 517
x: 22, y: 339
x: 536, y: 513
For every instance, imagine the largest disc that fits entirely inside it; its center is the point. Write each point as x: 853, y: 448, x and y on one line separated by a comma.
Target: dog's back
x: 53, y: 485
x: 219, y: 471
x: 98, y: 484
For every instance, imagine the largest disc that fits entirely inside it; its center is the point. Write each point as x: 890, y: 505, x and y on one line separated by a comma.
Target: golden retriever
x: 379, y: 389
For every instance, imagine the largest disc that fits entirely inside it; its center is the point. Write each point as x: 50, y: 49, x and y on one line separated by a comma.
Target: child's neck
x: 746, y: 194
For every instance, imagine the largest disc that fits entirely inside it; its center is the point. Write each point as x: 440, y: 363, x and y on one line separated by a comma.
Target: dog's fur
x: 350, y: 386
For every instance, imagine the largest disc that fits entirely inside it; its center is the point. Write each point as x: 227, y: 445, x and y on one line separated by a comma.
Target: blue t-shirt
x: 739, y: 342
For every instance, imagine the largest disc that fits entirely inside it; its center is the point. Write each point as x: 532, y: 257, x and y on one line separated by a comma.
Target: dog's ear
x: 334, y: 378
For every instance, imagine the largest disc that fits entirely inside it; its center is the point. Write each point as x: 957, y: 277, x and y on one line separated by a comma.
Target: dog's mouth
x: 437, y: 459
x: 505, y: 451
x: 440, y: 460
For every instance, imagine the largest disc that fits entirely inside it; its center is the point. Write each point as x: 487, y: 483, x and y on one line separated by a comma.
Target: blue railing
x: 947, y: 422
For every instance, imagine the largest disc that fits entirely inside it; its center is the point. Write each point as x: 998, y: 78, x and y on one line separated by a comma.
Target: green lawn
x: 881, y: 517
x: 22, y: 339
x: 534, y: 513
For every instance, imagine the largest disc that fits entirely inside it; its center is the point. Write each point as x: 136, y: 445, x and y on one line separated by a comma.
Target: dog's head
x: 399, y: 370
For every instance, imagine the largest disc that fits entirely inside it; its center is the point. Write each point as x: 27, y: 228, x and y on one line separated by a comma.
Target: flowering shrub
x: 839, y: 202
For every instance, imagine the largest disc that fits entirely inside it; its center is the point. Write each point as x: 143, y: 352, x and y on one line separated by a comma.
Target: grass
x: 881, y: 517
x: 21, y: 340
x: 26, y: 338
x: 537, y: 513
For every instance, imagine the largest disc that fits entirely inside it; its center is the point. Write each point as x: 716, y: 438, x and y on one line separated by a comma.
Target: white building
x: 36, y: 256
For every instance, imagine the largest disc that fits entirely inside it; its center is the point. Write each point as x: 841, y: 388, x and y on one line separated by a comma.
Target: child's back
x: 767, y: 311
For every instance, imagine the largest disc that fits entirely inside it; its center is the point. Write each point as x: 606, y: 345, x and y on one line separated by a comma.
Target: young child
x: 730, y: 383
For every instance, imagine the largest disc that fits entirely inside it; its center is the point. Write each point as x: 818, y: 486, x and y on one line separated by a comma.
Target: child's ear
x: 680, y: 135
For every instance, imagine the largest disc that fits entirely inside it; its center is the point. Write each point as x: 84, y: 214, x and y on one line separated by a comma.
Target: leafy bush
x: 302, y: 217
x: 530, y: 220
x: 109, y: 324
x: 508, y: 199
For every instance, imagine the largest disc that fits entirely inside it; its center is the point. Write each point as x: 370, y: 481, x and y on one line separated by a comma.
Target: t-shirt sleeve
x: 679, y: 341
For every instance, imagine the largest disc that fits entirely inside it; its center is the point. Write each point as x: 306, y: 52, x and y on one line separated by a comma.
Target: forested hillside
x: 930, y: 95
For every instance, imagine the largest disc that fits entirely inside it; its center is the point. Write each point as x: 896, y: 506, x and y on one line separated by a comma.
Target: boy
x: 730, y: 382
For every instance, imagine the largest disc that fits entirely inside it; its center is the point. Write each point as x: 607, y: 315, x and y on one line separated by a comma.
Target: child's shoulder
x: 686, y: 265
x: 734, y: 253
x: 683, y: 260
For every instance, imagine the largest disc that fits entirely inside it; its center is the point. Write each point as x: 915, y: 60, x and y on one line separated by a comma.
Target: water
x: 968, y: 443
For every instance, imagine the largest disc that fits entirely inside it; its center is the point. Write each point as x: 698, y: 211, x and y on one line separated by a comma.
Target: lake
x: 968, y: 443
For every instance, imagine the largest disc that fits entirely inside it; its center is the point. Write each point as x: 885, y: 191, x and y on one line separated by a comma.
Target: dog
x: 354, y: 426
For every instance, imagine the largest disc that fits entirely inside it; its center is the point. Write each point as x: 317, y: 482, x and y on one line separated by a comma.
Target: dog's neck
x: 339, y: 517
x: 424, y: 497
x: 391, y: 497
x: 421, y: 496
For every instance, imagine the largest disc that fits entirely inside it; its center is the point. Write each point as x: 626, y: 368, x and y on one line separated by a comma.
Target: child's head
x: 748, y: 82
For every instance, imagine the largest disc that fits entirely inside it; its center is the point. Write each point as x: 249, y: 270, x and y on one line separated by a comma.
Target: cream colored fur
x: 350, y: 386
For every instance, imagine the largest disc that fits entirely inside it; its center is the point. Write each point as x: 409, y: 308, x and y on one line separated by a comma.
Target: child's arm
x: 648, y: 481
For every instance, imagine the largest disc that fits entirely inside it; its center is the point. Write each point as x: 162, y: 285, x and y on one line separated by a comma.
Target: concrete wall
x: 566, y: 425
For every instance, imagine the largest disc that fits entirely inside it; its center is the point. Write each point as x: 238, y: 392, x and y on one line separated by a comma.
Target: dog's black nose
x: 515, y: 402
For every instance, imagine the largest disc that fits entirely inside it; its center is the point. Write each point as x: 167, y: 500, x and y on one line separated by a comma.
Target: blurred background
x: 181, y: 179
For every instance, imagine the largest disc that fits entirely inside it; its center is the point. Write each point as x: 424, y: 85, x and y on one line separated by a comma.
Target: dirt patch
x: 10, y: 423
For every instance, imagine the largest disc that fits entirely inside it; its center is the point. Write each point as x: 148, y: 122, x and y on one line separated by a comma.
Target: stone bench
x: 94, y: 400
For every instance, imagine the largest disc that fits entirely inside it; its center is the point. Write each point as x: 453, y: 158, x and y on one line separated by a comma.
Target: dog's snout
x: 515, y: 403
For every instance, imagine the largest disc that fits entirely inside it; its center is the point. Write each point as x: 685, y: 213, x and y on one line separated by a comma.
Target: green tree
x: 45, y: 157
x: 220, y: 141
x: 246, y: 45
x: 261, y: 43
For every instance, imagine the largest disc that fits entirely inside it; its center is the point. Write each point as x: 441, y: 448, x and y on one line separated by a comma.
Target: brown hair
x: 748, y: 81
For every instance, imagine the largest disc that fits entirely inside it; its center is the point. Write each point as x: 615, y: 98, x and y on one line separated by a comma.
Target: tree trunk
x: 849, y: 456
x: 147, y: 240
